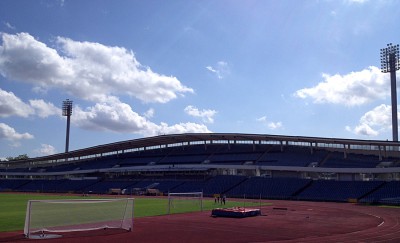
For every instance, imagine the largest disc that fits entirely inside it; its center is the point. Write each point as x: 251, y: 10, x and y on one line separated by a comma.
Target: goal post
x: 180, y: 202
x: 58, y: 216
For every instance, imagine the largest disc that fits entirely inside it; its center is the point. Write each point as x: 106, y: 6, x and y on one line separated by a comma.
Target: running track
x: 284, y: 221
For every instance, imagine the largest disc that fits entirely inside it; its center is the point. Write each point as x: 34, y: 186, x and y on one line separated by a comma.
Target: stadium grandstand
x: 255, y: 165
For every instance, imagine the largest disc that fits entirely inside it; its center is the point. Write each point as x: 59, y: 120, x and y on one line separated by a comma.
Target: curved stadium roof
x: 195, y: 138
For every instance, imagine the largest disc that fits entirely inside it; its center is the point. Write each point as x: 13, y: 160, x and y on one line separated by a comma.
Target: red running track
x: 284, y: 221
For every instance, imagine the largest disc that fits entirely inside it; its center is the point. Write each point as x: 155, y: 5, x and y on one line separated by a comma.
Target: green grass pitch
x: 13, y: 207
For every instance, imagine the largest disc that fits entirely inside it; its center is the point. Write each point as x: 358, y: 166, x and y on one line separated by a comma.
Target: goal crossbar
x: 185, y: 194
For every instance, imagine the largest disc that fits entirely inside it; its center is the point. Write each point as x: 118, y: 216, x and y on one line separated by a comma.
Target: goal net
x: 44, y: 216
x: 185, y: 202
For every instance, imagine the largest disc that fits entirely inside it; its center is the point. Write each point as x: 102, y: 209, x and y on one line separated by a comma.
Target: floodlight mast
x: 67, y: 111
x: 390, y: 63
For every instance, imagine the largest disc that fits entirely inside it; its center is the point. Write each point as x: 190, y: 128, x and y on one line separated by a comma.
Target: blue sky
x: 143, y: 68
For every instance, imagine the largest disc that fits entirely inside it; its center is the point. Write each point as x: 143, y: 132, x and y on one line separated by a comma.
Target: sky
x: 136, y: 69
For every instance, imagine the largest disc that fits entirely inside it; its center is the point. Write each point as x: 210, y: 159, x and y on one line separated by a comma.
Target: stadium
x: 175, y: 106
x: 317, y: 189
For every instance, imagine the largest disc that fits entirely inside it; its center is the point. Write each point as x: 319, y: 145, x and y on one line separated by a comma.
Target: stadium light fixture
x: 67, y: 111
x: 390, y: 64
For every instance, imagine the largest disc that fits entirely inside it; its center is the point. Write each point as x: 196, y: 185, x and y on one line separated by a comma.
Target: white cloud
x: 43, y: 109
x: 93, y: 72
x: 271, y: 125
x: 355, y: 88
x: 88, y: 70
x: 274, y: 125
x: 39, y: 90
x: 46, y: 149
x: 262, y: 119
x: 221, y: 69
x: 11, y: 105
x: 9, y: 133
x: 188, y: 127
x: 112, y: 115
x: 356, y: 1
x: 379, y: 116
x: 10, y: 26
x: 205, y: 115
x: 117, y: 116
x: 149, y: 113
x: 364, y: 130
x: 373, y: 122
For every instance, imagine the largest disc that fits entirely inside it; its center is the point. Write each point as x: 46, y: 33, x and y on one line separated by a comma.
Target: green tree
x: 19, y: 157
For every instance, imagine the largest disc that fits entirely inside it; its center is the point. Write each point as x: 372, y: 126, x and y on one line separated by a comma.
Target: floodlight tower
x: 390, y: 63
x: 67, y: 111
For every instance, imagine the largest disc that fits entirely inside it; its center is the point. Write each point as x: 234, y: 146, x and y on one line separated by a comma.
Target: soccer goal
x: 58, y: 216
x: 185, y: 202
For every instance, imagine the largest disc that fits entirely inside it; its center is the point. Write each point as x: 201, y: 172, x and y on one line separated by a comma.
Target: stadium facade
x: 224, y: 153
x: 236, y: 165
